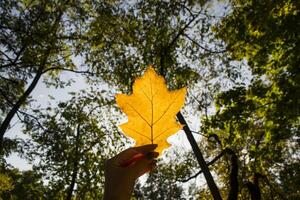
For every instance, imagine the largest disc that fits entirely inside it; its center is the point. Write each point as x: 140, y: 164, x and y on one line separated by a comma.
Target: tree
x: 253, y: 135
x: 159, y: 32
x: 71, y: 142
x: 165, y: 181
x: 38, y: 39
x: 25, y: 185
x: 260, y: 121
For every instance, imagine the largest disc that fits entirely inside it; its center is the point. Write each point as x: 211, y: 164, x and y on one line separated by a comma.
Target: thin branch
x: 14, y: 62
x: 6, y: 56
x: 200, y: 133
x: 225, y: 151
x: 182, y: 4
x: 10, y: 80
x: 32, y: 116
x: 69, y: 70
x: 181, y: 31
x: 202, y: 47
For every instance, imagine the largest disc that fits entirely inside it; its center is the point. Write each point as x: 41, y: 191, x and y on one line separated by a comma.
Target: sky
x: 41, y: 97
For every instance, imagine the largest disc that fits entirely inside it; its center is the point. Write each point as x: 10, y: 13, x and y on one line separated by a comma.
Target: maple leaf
x: 151, y: 110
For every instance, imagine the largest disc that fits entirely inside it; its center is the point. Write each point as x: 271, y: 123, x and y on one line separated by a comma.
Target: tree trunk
x: 254, y: 191
x: 18, y: 104
x: 234, y: 184
x: 254, y: 188
x: 209, y: 179
x: 39, y: 73
x: 75, y: 166
x: 73, y: 180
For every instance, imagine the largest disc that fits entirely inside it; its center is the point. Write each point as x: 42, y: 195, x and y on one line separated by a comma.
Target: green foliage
x: 25, y: 185
x: 166, y: 181
x: 39, y: 40
x: 116, y: 40
x: 260, y: 122
x: 5, y: 183
x: 71, y: 143
x: 164, y: 34
x: 288, y: 183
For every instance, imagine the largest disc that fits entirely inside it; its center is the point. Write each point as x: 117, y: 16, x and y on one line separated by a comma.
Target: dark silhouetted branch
x: 202, y: 47
x: 69, y: 70
x: 204, y: 167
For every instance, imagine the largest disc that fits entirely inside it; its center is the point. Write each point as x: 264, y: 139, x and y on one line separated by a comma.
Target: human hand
x: 122, y: 170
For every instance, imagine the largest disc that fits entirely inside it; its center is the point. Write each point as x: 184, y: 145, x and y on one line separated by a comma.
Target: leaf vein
x: 141, y: 116
x: 166, y: 109
x: 139, y: 133
x: 162, y: 133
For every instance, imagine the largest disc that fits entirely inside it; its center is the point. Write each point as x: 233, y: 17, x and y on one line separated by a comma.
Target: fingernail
x: 151, y: 155
x: 153, y: 162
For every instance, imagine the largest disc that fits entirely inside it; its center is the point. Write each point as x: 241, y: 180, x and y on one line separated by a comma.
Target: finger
x: 141, y: 166
x: 131, y: 152
x: 150, y: 168
x: 135, y: 158
x: 145, y: 148
x: 152, y: 154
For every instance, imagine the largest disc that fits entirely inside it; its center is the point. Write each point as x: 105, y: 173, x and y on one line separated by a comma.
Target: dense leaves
x: 34, y: 42
x: 260, y: 122
x: 71, y: 143
x: 239, y: 59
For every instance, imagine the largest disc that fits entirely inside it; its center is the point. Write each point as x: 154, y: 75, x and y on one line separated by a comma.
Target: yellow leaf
x: 151, y: 110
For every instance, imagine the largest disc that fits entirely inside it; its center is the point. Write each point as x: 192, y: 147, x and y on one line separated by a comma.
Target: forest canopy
x: 238, y: 59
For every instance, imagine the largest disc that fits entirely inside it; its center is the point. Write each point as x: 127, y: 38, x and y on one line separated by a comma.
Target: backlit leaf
x: 151, y: 110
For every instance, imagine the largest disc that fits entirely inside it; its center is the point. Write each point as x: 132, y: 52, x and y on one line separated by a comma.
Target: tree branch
x: 199, y: 133
x: 69, y: 70
x: 181, y: 31
x: 14, y: 62
x: 208, y: 164
x: 34, y: 117
x: 202, y: 47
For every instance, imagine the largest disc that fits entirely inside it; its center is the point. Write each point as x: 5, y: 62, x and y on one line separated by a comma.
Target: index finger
x: 131, y: 152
